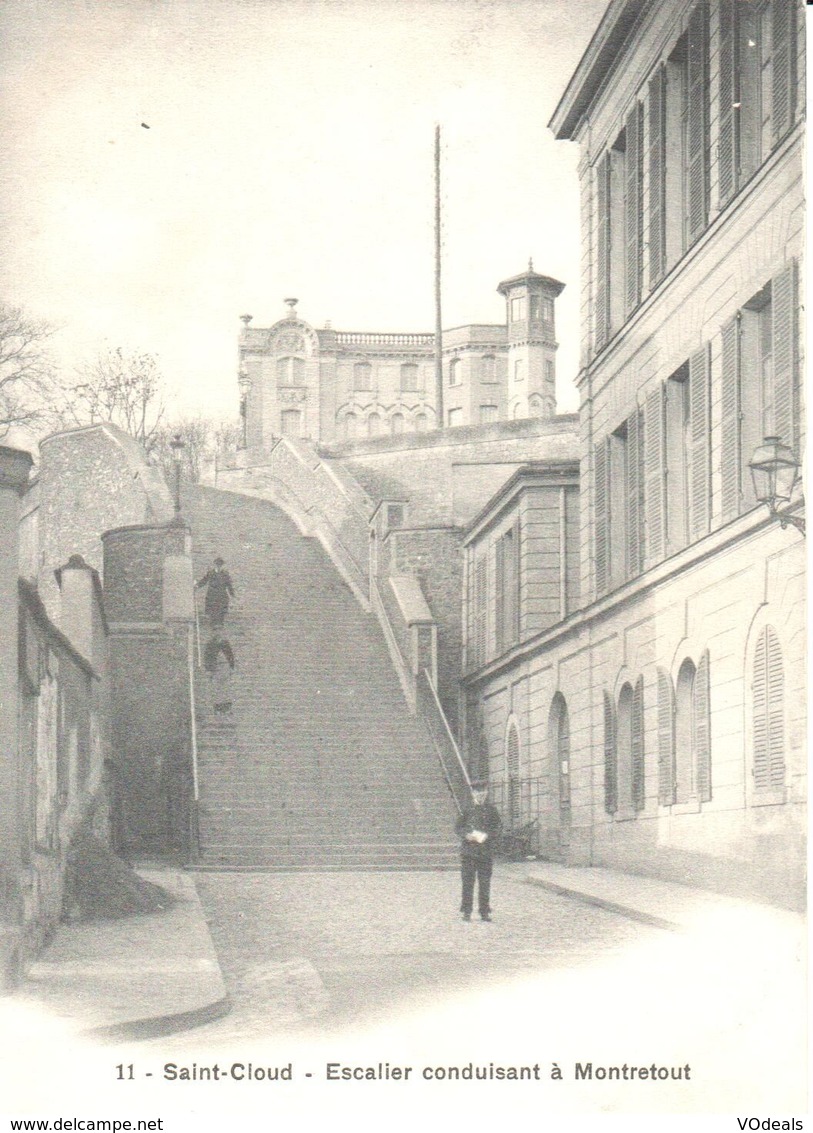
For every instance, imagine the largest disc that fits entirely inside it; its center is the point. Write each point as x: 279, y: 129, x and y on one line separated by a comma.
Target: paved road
x: 347, y: 948
x: 367, y: 967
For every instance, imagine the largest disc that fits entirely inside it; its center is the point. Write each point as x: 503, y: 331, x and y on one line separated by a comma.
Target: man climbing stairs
x: 319, y: 764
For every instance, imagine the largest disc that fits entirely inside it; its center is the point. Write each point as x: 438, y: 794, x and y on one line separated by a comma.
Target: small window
x: 519, y: 369
x: 291, y: 422
x: 397, y: 424
x: 455, y: 417
x: 488, y: 413
x: 454, y: 372
x: 549, y: 374
x: 374, y: 425
x: 362, y: 375
x: 350, y: 426
x: 290, y: 371
x: 488, y: 368
x: 421, y: 423
x: 518, y: 309
x: 409, y: 376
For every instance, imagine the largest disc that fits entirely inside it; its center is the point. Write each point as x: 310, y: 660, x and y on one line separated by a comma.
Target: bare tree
x: 125, y: 388
x: 26, y: 374
x: 204, y: 438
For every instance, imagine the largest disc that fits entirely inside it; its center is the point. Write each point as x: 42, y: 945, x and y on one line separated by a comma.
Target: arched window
x: 512, y: 799
x: 559, y: 738
x: 454, y: 372
x: 518, y: 411
x: 291, y: 422
x: 350, y: 426
x: 409, y: 376
x: 290, y: 371
x: 374, y: 425
x: 362, y: 375
x: 769, y: 712
x: 692, y: 732
x: 421, y: 423
x: 397, y: 424
x: 488, y: 413
x: 535, y: 406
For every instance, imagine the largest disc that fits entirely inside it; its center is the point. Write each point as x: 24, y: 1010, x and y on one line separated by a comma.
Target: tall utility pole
x: 438, y: 323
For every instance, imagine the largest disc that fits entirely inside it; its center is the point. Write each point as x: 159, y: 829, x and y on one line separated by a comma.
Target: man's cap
x: 220, y: 562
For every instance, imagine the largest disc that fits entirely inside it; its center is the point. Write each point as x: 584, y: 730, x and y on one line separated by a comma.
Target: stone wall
x: 91, y: 479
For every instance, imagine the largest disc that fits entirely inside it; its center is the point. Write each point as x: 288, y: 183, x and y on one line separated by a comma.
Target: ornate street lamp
x: 244, y: 382
x: 775, y: 472
x: 177, y: 446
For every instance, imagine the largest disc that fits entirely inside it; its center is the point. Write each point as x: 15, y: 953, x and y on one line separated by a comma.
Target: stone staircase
x: 319, y: 765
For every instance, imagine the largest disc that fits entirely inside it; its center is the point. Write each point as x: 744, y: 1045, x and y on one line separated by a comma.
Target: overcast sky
x: 289, y: 153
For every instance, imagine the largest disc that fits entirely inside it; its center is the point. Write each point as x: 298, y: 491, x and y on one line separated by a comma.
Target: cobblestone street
x: 379, y: 966
x: 345, y: 948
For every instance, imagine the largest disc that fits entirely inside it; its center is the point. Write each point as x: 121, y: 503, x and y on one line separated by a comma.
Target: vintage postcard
x: 403, y: 671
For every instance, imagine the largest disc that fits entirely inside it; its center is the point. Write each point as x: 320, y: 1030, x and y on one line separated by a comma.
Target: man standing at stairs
x: 219, y: 587
x: 479, y: 828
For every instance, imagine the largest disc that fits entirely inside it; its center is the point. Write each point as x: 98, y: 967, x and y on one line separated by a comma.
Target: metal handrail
x: 447, y: 770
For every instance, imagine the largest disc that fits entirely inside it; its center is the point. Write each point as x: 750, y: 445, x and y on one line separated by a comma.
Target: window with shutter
x: 610, y: 760
x: 785, y: 356
x: 602, y: 515
x: 783, y: 92
x: 769, y: 713
x: 634, y: 486
x: 684, y: 733
x: 700, y: 485
x: 657, y: 176
x: 702, y: 730
x: 559, y: 747
x: 603, y: 234
x: 637, y: 768
x: 730, y: 427
x: 499, y: 595
x: 513, y: 817
x: 696, y: 118
x: 728, y: 143
x: 666, y: 739
x: 480, y: 610
x: 633, y: 210
x: 678, y: 449
x: 654, y: 479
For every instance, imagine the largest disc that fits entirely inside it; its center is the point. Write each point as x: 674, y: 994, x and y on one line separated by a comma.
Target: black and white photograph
x: 403, y: 641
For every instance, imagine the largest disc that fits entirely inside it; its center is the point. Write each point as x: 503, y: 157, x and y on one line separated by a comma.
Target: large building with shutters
x: 656, y: 720
x: 331, y: 385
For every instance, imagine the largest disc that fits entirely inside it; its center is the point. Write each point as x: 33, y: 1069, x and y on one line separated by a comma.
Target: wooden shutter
x: 666, y: 739
x: 784, y: 308
x: 499, y: 595
x: 634, y: 526
x: 702, y: 729
x: 785, y: 14
x: 637, y: 746
x: 769, y: 727
x: 601, y: 496
x: 731, y: 428
x: 610, y: 759
x: 654, y: 480
x: 514, y: 626
x: 697, y: 129
x: 728, y: 157
x: 657, y: 176
x: 602, y: 295
x: 632, y: 209
x: 480, y: 610
x: 700, y: 457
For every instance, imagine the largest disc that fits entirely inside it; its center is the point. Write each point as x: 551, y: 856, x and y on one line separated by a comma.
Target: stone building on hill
x: 329, y: 385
